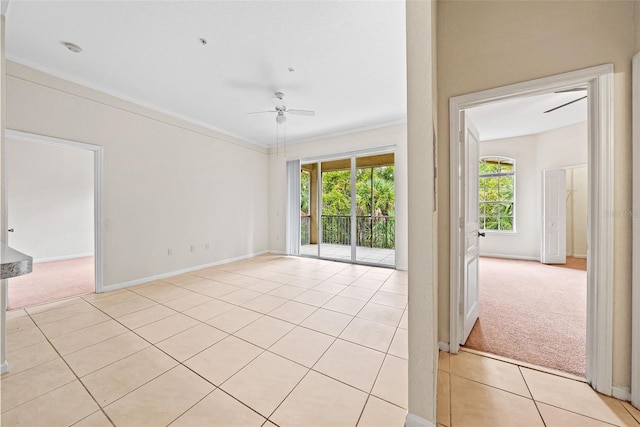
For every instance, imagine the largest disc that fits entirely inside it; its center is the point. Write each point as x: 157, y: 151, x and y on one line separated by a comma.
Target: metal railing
x: 305, y: 229
x: 371, y: 231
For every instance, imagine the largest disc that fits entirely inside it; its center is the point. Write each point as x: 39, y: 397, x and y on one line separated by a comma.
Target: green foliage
x: 496, y: 194
x: 336, y: 192
x: 305, y: 182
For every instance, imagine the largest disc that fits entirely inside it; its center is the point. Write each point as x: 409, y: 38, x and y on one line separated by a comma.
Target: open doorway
x: 465, y: 252
x: 53, y: 205
x: 533, y: 278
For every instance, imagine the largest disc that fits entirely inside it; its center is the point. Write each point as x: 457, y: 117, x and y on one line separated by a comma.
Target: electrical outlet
x: 192, y: 248
x: 206, y: 246
x: 169, y: 251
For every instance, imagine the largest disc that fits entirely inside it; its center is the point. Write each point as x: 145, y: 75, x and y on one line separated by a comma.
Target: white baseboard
x: 444, y: 346
x: 4, y: 368
x: 579, y: 256
x: 277, y: 252
x: 412, y: 420
x: 62, y: 258
x: 402, y: 267
x: 622, y: 393
x: 116, y: 286
x: 522, y: 257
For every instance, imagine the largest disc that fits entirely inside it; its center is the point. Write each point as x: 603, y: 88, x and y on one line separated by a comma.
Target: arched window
x: 496, y: 195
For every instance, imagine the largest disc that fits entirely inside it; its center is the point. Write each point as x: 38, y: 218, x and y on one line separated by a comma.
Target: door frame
x: 98, y: 172
x: 599, y: 82
x: 635, y: 249
x: 352, y: 156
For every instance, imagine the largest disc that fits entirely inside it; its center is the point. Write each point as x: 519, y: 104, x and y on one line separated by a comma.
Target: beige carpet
x: 533, y: 312
x: 52, y: 281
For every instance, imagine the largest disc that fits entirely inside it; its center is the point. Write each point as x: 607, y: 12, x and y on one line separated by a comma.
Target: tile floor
x: 268, y: 341
x: 386, y: 257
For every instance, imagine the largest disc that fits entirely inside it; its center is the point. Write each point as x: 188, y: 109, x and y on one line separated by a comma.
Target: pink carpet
x: 533, y: 313
x: 52, y: 281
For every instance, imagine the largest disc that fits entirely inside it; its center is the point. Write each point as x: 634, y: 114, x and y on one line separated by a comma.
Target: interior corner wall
x: 50, y: 200
x: 488, y: 44
x: 395, y: 135
x: 168, y: 183
x: 524, y: 243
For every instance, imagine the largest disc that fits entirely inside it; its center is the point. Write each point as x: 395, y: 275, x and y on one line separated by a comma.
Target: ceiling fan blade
x: 575, y: 89
x: 564, y: 105
x: 265, y: 111
x: 302, y: 112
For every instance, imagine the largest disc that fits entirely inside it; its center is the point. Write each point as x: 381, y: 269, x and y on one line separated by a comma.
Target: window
x: 496, y: 194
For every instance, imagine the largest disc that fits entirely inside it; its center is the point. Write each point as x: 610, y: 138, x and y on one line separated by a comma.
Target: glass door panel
x: 336, y: 210
x: 375, y: 210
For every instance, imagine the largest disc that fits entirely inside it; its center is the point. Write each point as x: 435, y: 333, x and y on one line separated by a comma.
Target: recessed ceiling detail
x: 72, y: 47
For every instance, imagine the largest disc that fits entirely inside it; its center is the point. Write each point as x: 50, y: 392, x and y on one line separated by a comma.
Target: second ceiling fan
x: 578, y: 89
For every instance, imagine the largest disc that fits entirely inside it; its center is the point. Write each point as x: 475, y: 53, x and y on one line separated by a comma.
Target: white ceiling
x: 525, y: 116
x: 348, y: 57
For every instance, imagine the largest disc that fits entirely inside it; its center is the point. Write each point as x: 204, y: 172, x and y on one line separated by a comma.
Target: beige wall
x: 482, y: 45
x: 423, y: 236
x: 167, y: 183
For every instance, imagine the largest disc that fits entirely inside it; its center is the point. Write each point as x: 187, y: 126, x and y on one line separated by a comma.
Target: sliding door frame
x: 352, y: 156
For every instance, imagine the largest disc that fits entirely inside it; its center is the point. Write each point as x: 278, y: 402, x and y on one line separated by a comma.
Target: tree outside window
x: 496, y: 194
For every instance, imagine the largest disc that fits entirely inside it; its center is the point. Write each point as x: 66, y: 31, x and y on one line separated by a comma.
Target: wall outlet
x: 206, y: 246
x: 169, y: 251
x: 192, y: 248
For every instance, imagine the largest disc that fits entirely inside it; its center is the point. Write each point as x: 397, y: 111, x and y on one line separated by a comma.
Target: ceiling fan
x: 577, y: 89
x: 280, y: 109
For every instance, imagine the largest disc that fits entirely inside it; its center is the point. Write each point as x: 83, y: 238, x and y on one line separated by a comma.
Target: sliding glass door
x: 347, y: 209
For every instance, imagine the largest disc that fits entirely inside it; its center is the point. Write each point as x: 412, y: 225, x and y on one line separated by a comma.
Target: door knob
x: 10, y: 230
x: 481, y: 234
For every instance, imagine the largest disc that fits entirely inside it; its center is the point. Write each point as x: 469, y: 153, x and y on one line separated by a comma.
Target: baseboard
x: 277, y: 252
x: 621, y: 393
x: 579, y: 256
x: 522, y: 257
x: 402, y: 267
x: 443, y: 346
x: 116, y: 286
x: 4, y: 368
x: 62, y: 258
x: 412, y: 420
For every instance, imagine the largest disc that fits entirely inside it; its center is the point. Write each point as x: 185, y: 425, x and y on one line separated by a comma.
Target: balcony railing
x: 305, y: 229
x: 371, y: 231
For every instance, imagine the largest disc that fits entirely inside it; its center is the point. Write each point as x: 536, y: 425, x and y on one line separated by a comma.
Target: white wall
x: 50, y: 198
x: 560, y: 148
x: 395, y: 135
x: 167, y: 183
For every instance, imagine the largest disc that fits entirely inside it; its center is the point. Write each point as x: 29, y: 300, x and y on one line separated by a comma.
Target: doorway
x: 532, y: 273
x: 54, y: 205
x: 347, y: 209
x: 598, y: 81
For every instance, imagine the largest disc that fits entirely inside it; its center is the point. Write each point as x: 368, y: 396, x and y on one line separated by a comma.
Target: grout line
x: 156, y: 303
x: 74, y: 374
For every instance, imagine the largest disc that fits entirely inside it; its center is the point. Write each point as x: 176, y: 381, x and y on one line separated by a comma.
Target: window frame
x: 499, y: 160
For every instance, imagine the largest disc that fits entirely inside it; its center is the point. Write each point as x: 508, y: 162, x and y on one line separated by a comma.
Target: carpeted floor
x: 533, y: 313
x: 52, y: 281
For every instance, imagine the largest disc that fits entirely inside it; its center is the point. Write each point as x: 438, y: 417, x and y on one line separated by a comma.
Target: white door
x: 554, y: 219
x: 471, y: 281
